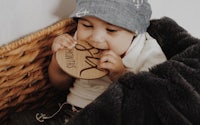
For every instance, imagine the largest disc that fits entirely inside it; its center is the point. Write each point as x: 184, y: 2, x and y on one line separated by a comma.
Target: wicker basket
x: 23, y: 70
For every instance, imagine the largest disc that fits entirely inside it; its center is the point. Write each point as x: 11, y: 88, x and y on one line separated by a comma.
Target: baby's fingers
x: 63, y: 41
x: 57, y: 47
x: 68, y: 41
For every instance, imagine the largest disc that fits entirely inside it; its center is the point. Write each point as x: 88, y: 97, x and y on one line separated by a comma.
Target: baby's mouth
x: 97, y: 45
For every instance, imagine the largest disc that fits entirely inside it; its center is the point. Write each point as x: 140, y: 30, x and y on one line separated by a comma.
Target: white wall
x: 22, y: 17
x: 184, y: 12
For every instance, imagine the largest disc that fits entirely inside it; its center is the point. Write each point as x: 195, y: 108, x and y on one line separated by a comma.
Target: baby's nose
x: 98, y: 36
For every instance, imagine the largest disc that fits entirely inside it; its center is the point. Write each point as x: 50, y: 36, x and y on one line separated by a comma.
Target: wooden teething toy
x: 81, y: 61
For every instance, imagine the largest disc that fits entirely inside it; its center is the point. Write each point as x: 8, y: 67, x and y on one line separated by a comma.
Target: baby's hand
x: 63, y: 41
x: 112, y: 62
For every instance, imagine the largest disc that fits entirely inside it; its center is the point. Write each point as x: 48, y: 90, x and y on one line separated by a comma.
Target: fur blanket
x: 169, y: 94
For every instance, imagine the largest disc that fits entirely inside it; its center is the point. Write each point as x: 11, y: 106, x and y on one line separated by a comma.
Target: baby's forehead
x: 93, y: 19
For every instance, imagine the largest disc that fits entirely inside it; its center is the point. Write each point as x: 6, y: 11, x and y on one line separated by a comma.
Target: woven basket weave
x: 23, y: 70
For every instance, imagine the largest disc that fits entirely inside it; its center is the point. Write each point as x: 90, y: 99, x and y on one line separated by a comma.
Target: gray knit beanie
x: 133, y: 15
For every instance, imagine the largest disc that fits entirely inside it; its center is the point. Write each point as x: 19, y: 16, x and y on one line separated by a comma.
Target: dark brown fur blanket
x: 169, y: 94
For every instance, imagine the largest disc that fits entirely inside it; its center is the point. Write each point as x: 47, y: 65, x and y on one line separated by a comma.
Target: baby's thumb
x: 56, y: 47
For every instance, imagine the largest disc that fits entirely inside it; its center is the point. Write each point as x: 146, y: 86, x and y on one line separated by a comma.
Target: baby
x: 118, y: 27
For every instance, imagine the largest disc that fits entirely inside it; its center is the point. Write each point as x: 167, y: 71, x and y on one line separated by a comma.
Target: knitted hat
x: 133, y: 15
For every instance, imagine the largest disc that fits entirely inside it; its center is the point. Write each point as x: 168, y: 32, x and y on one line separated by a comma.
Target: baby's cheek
x: 82, y: 34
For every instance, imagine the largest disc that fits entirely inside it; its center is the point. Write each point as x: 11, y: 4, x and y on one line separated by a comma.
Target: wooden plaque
x: 81, y: 61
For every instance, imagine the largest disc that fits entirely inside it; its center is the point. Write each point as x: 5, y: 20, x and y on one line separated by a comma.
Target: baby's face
x: 103, y: 35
